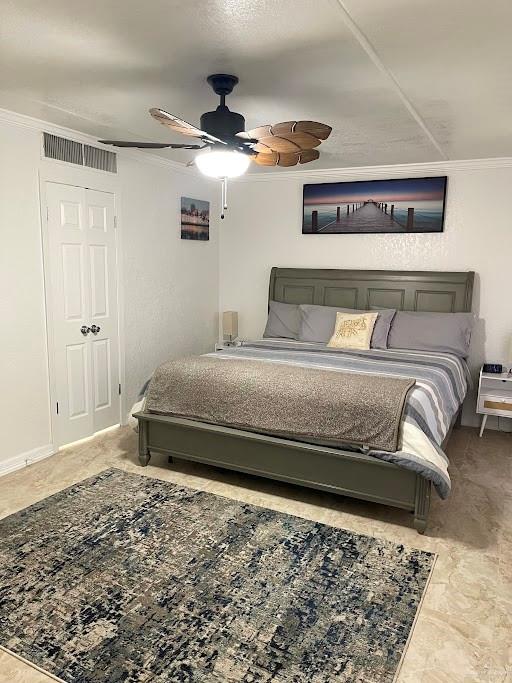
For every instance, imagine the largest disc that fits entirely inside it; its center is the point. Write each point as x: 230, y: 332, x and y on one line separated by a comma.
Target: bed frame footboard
x: 342, y: 472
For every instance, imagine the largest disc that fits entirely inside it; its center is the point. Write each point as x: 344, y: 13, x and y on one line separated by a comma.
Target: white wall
x: 263, y: 229
x: 24, y: 403
x: 169, y: 285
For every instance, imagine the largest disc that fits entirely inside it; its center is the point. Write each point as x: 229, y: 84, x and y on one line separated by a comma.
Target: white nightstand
x: 494, y: 396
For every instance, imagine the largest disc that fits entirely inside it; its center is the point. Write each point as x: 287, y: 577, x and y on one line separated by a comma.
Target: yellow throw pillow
x: 353, y: 331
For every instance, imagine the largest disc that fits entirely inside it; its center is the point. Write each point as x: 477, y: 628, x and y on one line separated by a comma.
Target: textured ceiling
x: 398, y: 80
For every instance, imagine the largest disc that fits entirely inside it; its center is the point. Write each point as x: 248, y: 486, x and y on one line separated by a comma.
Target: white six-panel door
x: 82, y: 268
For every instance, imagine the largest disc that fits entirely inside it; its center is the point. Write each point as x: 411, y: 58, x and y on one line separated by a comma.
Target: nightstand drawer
x: 497, y: 405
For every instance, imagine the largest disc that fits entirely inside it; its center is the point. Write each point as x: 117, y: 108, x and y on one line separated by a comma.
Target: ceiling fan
x: 229, y: 149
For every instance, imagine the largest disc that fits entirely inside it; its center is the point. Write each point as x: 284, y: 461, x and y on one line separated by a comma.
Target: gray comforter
x: 308, y: 403
x: 431, y: 406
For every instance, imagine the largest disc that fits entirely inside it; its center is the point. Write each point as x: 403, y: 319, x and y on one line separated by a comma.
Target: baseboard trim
x: 25, y: 459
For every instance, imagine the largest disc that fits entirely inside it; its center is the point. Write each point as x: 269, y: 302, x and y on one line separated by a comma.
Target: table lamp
x: 230, y: 326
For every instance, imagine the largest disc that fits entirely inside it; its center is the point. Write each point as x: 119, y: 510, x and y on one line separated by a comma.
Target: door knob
x: 95, y: 329
x: 85, y: 330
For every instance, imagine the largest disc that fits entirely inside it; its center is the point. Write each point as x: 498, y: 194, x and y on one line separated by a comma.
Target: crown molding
x: 16, y: 119
x: 367, y: 172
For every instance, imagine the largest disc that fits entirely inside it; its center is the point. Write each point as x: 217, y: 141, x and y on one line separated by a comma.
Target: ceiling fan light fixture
x: 222, y: 163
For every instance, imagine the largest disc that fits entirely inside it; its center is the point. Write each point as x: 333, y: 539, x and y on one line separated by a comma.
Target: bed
x: 342, y: 471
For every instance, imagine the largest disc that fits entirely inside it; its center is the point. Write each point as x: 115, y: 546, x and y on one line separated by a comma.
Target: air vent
x: 100, y: 158
x: 73, y: 152
x: 63, y: 149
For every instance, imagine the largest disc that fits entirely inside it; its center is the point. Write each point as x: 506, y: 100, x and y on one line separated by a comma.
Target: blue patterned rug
x: 124, y: 578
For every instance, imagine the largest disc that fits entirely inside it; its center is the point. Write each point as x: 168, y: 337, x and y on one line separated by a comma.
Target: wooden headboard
x: 365, y: 289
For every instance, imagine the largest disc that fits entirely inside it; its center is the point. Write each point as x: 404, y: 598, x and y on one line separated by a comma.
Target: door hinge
x: 119, y: 390
x: 57, y: 407
x: 47, y: 214
x: 115, y: 221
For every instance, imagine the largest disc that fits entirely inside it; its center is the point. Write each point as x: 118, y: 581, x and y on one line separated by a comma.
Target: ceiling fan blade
x: 299, y: 132
x: 147, y: 145
x: 255, y: 133
x: 285, y: 127
x: 271, y: 158
x: 277, y: 144
x: 262, y: 148
x: 302, y: 140
x: 289, y: 142
x: 319, y: 130
x: 308, y: 155
x: 290, y: 159
x: 277, y: 159
x: 181, y: 126
x: 266, y: 159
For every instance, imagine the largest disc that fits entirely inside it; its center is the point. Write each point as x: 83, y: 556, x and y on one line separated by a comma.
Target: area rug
x: 125, y: 578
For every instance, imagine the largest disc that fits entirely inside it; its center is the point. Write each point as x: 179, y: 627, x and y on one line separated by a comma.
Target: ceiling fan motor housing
x: 223, y: 123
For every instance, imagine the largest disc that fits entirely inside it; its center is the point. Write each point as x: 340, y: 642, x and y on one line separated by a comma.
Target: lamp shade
x: 230, y: 325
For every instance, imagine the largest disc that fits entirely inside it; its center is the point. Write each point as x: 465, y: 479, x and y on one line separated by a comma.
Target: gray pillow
x: 449, y: 332
x: 283, y: 320
x: 318, y: 322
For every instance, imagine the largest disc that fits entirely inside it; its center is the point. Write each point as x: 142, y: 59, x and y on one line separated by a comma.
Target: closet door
x: 103, y: 316
x: 82, y: 303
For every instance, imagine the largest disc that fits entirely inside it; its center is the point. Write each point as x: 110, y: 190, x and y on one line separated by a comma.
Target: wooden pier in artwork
x: 368, y: 216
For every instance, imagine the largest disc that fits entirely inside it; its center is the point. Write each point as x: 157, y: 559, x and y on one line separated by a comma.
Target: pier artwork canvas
x: 195, y: 219
x: 375, y: 206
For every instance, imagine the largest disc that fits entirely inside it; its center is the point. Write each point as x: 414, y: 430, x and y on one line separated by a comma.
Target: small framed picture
x: 195, y: 219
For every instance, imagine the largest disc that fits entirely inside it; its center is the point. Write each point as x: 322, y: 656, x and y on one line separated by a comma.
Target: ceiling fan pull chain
x: 224, y: 196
